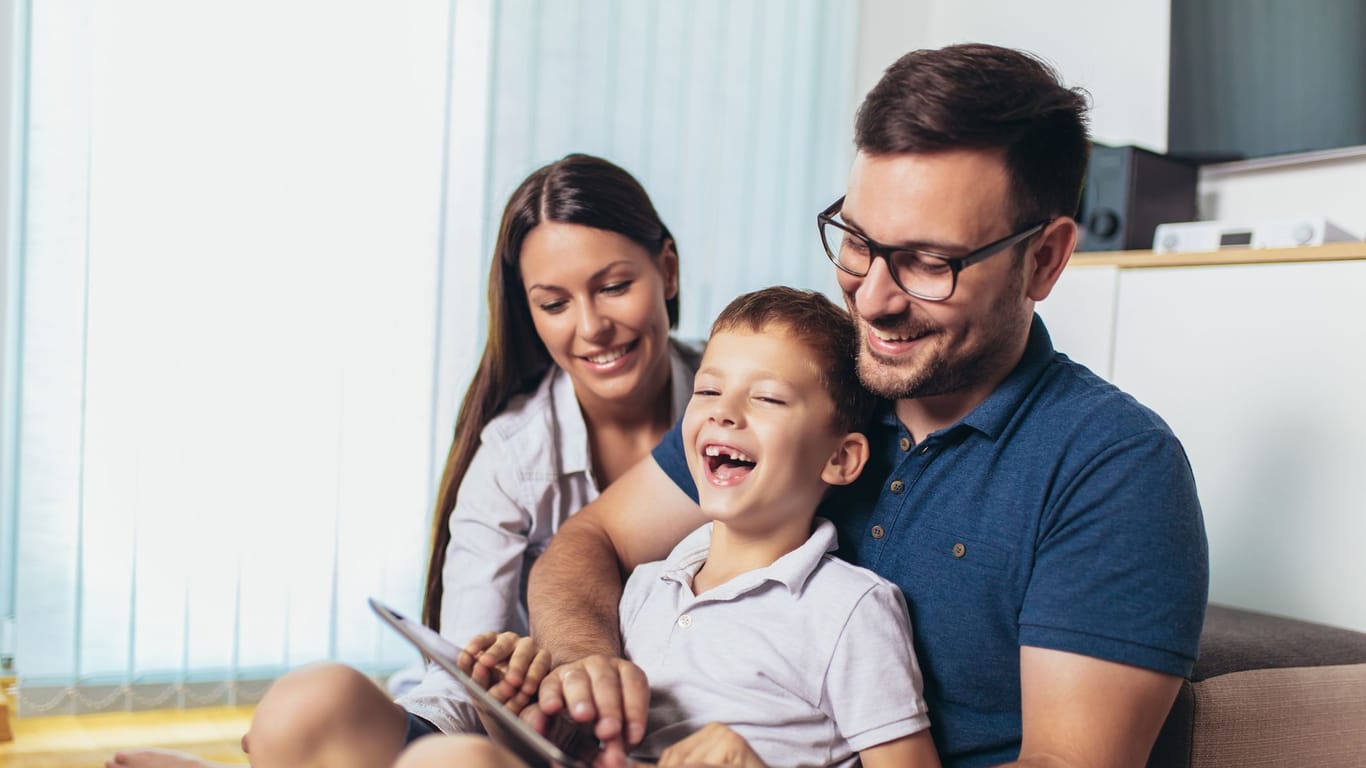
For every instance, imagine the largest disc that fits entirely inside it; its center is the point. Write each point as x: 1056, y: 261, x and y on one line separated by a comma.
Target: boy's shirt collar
x: 791, y: 570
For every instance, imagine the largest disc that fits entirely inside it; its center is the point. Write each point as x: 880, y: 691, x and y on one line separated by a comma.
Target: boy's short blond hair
x: 828, y: 333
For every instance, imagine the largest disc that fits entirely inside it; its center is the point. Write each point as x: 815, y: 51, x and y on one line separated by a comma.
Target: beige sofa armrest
x: 1269, y: 691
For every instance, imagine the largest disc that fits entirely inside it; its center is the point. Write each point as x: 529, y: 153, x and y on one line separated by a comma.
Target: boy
x: 750, y: 622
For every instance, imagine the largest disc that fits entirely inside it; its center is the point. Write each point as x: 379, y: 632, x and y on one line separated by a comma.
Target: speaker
x: 1128, y: 192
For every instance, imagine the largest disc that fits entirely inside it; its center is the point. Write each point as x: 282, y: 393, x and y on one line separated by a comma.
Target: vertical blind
x: 255, y: 240
x: 737, y: 118
x: 228, y: 334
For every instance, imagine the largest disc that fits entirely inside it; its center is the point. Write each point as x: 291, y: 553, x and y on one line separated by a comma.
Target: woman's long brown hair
x: 579, y: 189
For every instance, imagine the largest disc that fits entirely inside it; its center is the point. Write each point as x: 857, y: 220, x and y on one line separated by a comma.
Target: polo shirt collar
x: 992, y: 414
x: 791, y: 570
x: 574, y: 456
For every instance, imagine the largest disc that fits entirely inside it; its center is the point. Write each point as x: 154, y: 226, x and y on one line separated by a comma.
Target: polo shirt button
x: 685, y: 621
x: 959, y: 550
x: 897, y: 486
x: 878, y: 532
x: 905, y: 443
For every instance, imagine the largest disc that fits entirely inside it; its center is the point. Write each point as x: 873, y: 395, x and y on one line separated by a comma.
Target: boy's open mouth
x: 725, y: 464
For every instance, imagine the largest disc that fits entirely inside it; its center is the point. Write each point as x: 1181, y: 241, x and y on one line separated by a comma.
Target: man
x: 1043, y: 525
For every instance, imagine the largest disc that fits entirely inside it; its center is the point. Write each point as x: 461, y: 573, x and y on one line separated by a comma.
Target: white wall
x: 1259, y: 190
x: 1092, y: 309
x: 1126, y: 74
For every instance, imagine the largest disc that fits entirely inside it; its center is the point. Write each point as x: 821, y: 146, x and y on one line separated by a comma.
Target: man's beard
x: 950, y: 367
x: 941, y: 374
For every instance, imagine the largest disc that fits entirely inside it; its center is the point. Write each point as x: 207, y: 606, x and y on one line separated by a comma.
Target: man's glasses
x: 923, y: 274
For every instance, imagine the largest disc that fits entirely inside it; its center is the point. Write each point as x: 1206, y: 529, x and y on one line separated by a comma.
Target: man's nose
x: 877, y: 294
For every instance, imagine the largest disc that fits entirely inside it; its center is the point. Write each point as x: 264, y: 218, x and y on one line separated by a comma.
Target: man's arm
x: 1081, y: 711
x: 575, y: 586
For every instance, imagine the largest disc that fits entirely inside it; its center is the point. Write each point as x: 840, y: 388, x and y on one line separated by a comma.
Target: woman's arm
x: 482, y: 574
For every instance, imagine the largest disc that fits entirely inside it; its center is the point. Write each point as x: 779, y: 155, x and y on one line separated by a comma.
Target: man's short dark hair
x: 976, y: 96
x: 827, y: 331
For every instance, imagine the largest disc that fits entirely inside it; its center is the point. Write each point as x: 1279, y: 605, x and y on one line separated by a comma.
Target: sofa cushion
x: 1269, y: 691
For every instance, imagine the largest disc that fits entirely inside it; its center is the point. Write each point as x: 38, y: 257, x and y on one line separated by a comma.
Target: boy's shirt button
x: 685, y: 621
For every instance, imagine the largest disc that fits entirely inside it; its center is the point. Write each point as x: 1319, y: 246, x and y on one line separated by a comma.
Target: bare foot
x: 158, y: 758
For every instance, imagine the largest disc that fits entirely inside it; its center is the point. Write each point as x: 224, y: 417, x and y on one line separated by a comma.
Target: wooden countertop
x: 1143, y: 259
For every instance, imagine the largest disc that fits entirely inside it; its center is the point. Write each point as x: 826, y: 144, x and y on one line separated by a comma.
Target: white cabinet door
x: 1261, y: 371
x: 1080, y: 314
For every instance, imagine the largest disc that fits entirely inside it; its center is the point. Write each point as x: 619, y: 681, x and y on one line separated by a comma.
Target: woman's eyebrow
x: 595, y: 276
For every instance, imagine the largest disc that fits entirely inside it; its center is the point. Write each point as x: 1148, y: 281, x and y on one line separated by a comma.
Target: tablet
x: 504, y: 727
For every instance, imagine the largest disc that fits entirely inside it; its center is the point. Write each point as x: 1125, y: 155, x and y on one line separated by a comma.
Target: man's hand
x: 602, y: 690
x: 510, y: 667
x: 716, y: 745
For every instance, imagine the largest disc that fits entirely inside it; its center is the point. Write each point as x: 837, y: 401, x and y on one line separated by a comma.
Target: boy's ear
x: 847, y: 461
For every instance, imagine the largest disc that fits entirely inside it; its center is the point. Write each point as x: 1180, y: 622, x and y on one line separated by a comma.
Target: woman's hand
x: 716, y: 745
x: 510, y: 667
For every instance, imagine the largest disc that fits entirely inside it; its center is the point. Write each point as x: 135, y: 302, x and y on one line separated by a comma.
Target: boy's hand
x: 611, y: 693
x: 510, y: 667
x: 715, y: 744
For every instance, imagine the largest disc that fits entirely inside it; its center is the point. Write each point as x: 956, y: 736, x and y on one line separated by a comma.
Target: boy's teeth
x: 734, y: 455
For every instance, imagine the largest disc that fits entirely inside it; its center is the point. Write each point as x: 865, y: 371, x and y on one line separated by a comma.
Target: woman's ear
x: 668, y: 268
x: 847, y: 461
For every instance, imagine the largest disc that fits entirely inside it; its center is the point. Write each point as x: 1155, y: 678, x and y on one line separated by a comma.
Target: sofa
x: 1269, y: 691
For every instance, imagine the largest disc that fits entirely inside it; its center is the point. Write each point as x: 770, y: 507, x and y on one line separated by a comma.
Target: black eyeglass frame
x: 956, y: 264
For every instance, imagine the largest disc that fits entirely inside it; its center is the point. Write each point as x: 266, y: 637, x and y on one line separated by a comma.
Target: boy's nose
x: 724, y: 413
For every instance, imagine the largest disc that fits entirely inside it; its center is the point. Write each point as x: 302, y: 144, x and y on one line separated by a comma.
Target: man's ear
x: 847, y: 461
x: 1051, y: 252
x: 668, y: 267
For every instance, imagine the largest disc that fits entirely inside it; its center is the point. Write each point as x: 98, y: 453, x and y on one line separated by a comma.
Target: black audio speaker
x: 1128, y: 192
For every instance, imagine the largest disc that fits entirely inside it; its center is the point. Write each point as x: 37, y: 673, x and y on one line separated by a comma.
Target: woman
x: 579, y: 380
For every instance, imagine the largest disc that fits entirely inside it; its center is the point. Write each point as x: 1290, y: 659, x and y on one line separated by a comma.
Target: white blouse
x: 531, y: 472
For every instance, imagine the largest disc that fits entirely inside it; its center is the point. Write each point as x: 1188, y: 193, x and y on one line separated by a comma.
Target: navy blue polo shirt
x: 1059, y: 513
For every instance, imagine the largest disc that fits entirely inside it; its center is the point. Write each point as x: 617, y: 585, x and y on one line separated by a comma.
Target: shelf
x: 1143, y: 259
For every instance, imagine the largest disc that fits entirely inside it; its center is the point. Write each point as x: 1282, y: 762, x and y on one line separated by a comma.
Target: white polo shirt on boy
x: 809, y: 659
